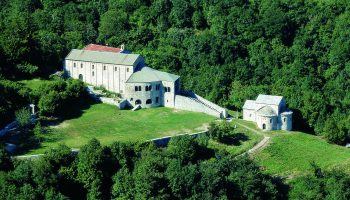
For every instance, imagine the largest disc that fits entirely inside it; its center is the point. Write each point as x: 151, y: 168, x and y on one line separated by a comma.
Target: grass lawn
x: 108, y: 124
x: 290, y: 153
x: 34, y: 83
x: 246, y: 140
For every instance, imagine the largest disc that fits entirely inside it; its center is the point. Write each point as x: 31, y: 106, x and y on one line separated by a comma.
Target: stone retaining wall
x: 186, y: 103
x: 164, y: 141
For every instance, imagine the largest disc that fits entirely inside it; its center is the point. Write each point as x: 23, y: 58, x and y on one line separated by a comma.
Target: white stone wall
x: 286, y: 122
x: 270, y: 122
x: 186, y: 103
x: 169, y: 97
x: 144, y: 95
x: 249, y: 115
x: 112, y: 77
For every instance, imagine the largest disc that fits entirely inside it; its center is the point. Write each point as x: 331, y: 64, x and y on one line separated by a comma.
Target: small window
x: 93, y: 73
x: 149, y: 101
x: 136, y: 88
x: 150, y: 88
x: 131, y: 99
x: 146, y: 88
x: 284, y: 119
x: 168, y: 89
x: 81, y: 65
x: 139, y: 88
x: 270, y: 121
x: 127, y: 69
x: 157, y: 99
x: 104, y: 67
x: 74, y: 65
x: 115, y: 69
x: 93, y: 67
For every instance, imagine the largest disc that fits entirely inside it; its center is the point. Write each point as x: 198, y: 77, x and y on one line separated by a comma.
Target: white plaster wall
x: 249, y: 115
x: 111, y: 79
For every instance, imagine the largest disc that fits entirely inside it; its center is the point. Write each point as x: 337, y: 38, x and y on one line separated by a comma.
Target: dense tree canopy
x: 227, y: 51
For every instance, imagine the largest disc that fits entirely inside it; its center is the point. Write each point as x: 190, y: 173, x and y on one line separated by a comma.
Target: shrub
x: 220, y: 131
x: 23, y: 117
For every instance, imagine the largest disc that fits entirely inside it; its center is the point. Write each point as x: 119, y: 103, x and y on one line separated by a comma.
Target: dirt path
x: 259, y: 146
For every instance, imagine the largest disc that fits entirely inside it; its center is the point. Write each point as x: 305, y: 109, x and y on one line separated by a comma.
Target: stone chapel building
x: 123, y: 72
x: 269, y: 112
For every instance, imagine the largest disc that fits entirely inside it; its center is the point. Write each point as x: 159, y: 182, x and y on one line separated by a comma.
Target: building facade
x: 269, y: 112
x: 123, y: 72
x: 102, y: 68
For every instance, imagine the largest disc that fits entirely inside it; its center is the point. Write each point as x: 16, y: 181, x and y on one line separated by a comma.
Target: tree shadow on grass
x: 235, y: 139
x: 72, y: 110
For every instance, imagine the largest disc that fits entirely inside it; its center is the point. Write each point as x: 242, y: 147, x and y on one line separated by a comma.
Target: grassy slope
x: 109, y: 124
x: 290, y: 153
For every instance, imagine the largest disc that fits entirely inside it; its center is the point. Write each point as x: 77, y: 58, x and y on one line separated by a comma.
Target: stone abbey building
x: 123, y: 72
x: 269, y: 112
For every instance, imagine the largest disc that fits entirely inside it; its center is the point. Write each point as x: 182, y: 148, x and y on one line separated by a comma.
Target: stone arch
x: 138, y: 101
x: 81, y: 77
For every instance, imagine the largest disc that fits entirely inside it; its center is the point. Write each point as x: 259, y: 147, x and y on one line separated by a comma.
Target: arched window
x: 139, y: 88
x: 150, y: 88
x: 149, y: 101
x: 270, y: 121
x: 166, y: 89
x: 81, y: 65
x: 93, y: 73
x: 74, y: 65
x: 80, y: 77
x: 104, y: 67
x: 138, y: 101
x: 284, y: 119
x: 93, y: 66
x: 169, y: 89
x: 136, y: 88
x: 146, y: 88
x: 115, y: 69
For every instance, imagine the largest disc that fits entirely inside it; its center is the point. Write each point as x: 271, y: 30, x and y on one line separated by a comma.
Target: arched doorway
x: 264, y: 126
x: 138, y: 101
x: 81, y: 77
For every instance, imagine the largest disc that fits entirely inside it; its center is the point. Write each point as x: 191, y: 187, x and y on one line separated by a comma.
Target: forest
x: 227, y: 51
x: 186, y: 169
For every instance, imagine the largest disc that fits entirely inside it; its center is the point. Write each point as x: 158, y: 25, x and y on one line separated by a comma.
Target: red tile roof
x: 96, y: 47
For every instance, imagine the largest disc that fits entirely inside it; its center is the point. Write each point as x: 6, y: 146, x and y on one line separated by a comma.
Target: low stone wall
x: 120, y: 104
x: 164, y: 141
x: 186, y: 103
